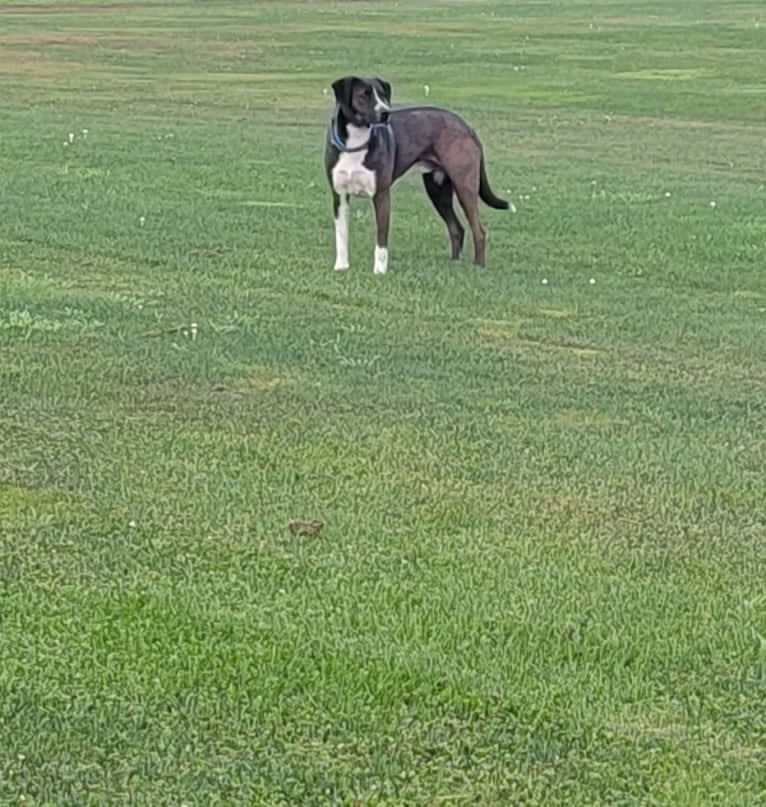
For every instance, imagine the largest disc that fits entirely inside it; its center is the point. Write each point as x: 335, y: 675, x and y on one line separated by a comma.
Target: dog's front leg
x: 382, y: 202
x: 340, y: 211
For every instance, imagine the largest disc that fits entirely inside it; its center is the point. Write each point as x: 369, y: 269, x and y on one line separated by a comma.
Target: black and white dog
x: 369, y: 146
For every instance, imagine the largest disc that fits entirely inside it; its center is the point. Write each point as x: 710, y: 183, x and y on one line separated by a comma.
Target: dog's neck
x: 347, y: 136
x: 357, y: 136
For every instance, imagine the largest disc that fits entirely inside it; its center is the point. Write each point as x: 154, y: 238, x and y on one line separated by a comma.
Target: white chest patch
x: 349, y: 174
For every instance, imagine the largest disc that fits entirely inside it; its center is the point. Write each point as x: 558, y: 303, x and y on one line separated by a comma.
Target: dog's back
x: 429, y: 132
x: 436, y: 137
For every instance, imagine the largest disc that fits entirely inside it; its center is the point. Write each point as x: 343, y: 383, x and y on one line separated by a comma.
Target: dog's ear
x: 386, y: 88
x: 343, y: 88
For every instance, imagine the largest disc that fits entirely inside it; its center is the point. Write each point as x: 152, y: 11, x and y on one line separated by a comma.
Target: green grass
x: 541, y: 579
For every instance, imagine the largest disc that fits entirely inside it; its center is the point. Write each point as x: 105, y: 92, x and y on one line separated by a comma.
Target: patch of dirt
x: 42, y: 68
x: 512, y: 341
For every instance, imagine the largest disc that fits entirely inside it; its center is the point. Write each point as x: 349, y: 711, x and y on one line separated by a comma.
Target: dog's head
x: 363, y: 101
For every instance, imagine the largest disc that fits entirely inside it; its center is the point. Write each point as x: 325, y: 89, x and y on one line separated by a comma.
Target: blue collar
x: 336, y: 140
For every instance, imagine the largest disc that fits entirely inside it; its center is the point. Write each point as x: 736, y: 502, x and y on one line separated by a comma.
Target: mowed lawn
x: 542, y: 575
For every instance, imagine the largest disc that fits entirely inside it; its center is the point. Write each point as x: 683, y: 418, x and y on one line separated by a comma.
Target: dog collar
x: 336, y: 140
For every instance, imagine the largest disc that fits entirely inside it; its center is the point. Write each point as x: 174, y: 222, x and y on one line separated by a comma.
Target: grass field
x: 542, y: 576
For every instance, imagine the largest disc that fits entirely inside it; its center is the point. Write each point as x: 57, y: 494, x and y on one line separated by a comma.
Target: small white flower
x: 712, y: 203
x: 71, y: 137
x: 141, y: 221
x: 325, y: 91
x: 592, y: 281
x: 426, y: 90
x: 667, y: 194
x: 132, y: 524
x: 194, y: 330
x: 545, y: 281
x: 84, y: 132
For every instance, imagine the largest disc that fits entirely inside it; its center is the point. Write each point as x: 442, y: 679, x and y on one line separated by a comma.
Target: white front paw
x: 381, y: 260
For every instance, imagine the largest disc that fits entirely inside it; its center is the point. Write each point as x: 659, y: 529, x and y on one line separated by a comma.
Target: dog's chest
x: 350, y: 175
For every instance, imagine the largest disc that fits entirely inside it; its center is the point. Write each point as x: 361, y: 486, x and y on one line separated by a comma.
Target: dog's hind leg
x: 441, y: 195
x: 468, y: 194
x: 341, y: 211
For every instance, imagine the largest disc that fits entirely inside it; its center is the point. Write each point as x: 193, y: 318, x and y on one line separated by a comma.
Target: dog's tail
x: 485, y: 191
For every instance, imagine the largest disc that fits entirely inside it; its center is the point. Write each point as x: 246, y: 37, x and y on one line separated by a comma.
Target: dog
x: 370, y: 145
